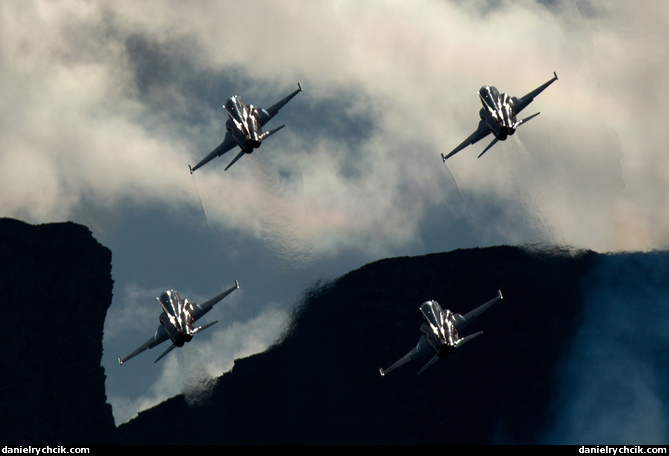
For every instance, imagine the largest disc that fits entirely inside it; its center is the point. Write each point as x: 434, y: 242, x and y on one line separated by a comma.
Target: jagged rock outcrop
x: 56, y: 286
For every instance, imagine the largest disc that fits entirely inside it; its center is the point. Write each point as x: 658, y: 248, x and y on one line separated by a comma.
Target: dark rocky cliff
x: 56, y: 286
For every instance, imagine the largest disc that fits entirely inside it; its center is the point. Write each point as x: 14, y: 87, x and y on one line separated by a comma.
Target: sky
x: 103, y: 104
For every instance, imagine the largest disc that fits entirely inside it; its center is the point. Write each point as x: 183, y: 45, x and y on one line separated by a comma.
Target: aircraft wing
x: 227, y: 144
x: 521, y: 103
x: 461, y: 321
x: 158, y: 338
x: 481, y: 132
x: 202, y: 309
x: 274, y: 109
x: 422, y: 346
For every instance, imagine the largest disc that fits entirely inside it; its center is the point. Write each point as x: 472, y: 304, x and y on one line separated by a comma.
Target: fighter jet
x: 244, y: 127
x: 177, y: 321
x: 441, y: 333
x: 498, y: 115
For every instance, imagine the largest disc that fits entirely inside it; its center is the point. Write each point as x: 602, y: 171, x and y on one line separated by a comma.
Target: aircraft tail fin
x: 494, y: 141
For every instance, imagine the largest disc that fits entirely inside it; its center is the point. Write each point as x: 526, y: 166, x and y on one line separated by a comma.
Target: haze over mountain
x: 575, y: 353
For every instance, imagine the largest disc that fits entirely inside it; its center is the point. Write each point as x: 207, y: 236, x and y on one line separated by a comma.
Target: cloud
x: 87, y: 127
x: 106, y: 120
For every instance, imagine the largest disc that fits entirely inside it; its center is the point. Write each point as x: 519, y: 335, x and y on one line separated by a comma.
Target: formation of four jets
x: 244, y: 129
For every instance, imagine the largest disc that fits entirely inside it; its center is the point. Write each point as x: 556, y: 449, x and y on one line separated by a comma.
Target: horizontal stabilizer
x: 203, y: 327
x: 169, y: 349
x: 239, y: 155
x: 271, y: 132
x: 434, y: 359
x: 527, y: 119
x: 494, y: 141
x: 464, y: 340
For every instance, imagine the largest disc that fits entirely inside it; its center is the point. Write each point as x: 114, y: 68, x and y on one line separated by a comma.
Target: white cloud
x: 81, y: 129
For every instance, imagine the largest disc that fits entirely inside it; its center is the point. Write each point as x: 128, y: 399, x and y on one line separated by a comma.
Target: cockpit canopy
x: 490, y: 97
x: 500, y: 106
x: 235, y: 107
x: 442, y: 323
x: 432, y: 312
x: 169, y: 300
